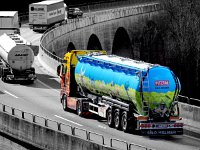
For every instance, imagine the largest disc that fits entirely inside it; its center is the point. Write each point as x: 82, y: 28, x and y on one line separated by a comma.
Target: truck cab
x: 68, y: 85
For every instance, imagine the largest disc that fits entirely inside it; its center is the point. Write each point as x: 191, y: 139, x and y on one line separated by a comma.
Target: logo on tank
x: 22, y: 52
x: 162, y: 83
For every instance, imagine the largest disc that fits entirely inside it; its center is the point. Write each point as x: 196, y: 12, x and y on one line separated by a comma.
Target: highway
x: 42, y: 99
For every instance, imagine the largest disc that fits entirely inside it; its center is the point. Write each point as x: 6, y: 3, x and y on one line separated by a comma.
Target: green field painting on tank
x: 99, y: 87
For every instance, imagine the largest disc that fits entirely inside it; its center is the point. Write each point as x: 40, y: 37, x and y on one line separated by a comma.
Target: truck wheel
x: 124, y: 122
x: 117, y: 119
x: 110, y: 119
x: 79, y: 109
x: 64, y: 100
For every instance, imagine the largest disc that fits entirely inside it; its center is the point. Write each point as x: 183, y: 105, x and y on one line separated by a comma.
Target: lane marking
x: 68, y: 120
x: 11, y: 94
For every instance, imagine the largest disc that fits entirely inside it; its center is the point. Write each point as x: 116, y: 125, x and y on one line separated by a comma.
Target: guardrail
x: 188, y: 100
x: 66, y: 128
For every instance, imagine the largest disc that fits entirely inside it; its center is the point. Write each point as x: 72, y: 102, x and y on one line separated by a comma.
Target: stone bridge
x: 119, y: 31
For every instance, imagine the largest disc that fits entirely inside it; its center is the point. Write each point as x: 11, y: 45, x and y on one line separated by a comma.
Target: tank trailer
x: 129, y: 94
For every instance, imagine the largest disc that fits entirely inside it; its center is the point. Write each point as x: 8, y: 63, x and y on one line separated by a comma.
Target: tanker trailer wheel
x: 110, y: 119
x: 117, y: 119
x: 124, y: 122
x: 79, y: 109
x: 62, y: 97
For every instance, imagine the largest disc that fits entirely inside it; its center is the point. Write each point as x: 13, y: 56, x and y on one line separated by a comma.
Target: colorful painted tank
x: 128, y: 80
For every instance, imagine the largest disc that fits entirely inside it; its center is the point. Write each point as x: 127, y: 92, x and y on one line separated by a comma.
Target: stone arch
x: 70, y: 47
x: 122, y: 44
x: 94, y: 43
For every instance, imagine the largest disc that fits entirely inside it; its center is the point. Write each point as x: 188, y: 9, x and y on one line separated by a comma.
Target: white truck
x: 17, y: 59
x: 9, y: 22
x: 45, y: 14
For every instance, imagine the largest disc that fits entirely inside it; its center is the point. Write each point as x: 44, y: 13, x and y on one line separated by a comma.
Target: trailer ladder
x: 145, y: 87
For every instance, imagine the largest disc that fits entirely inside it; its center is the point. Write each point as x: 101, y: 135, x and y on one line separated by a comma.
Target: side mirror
x: 59, y: 68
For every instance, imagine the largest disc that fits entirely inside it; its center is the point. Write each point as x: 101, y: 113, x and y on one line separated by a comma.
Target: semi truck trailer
x: 17, y: 58
x: 131, y: 95
x: 9, y: 22
x: 45, y: 14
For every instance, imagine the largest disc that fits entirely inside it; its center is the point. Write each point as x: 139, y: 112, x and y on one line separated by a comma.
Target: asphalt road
x: 42, y: 99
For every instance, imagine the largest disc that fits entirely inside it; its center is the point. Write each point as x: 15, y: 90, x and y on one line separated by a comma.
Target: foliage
x: 184, y: 41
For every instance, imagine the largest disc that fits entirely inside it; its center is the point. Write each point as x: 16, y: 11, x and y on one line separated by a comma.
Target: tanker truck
x: 131, y: 95
x: 17, y: 58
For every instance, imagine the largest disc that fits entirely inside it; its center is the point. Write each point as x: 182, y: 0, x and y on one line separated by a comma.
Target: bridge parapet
x: 45, y: 133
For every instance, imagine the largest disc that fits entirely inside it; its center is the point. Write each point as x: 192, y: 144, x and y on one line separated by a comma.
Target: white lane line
x: 11, y: 94
x: 68, y: 120
x: 100, y: 126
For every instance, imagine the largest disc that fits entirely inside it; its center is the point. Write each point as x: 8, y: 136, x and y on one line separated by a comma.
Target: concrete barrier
x: 191, y: 119
x: 43, y: 137
x: 189, y: 112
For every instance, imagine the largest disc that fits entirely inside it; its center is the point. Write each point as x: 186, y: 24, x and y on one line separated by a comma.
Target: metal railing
x: 49, y: 123
x: 61, y: 127
x: 188, y: 100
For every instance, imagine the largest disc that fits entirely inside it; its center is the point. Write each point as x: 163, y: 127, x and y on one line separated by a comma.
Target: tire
x: 110, y: 119
x: 124, y: 122
x: 64, y: 103
x: 117, y: 119
x: 62, y: 97
x: 79, y: 109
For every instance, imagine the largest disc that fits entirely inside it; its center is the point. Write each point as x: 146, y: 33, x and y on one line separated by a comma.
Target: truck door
x: 61, y: 72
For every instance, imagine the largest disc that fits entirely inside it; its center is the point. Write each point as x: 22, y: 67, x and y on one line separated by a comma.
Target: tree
x: 184, y: 32
x: 152, y: 44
